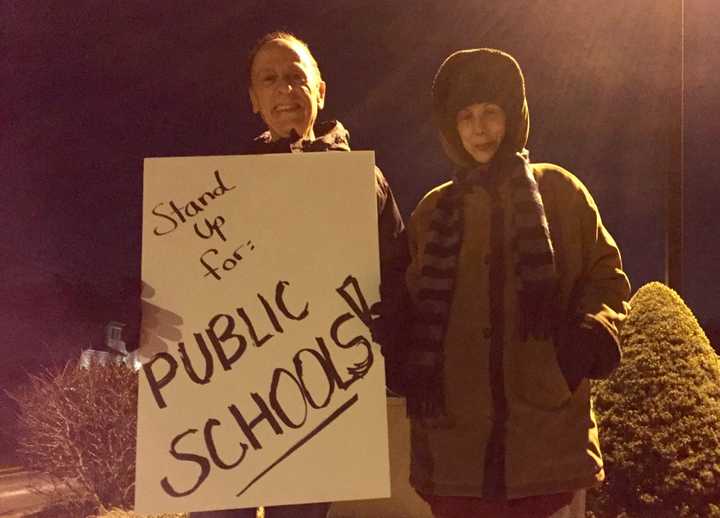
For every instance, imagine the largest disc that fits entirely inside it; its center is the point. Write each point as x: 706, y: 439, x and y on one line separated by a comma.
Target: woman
x: 517, y: 289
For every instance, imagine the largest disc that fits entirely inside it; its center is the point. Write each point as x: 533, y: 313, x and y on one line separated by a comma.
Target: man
x: 287, y: 91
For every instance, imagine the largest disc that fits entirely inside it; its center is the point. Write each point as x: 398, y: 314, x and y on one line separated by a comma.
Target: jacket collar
x: 330, y: 136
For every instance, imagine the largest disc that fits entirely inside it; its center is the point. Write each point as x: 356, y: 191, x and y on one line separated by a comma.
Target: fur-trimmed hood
x: 477, y: 76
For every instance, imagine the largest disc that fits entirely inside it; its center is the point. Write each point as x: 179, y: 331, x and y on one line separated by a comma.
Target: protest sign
x: 265, y: 387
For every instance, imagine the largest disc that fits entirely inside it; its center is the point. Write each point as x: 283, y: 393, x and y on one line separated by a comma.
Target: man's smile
x: 285, y: 108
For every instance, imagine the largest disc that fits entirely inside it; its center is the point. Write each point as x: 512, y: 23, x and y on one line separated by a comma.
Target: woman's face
x: 481, y: 127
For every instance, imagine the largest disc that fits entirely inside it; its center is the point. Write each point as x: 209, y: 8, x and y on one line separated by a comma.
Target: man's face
x: 481, y: 127
x: 285, y: 89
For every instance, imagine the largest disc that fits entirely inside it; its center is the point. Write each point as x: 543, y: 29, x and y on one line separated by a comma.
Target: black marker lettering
x: 360, y: 369
x: 280, y: 302
x: 328, y: 369
x: 213, y: 228
x: 221, y: 189
x: 189, y: 457
x: 259, y: 342
x: 187, y: 363
x: 212, y: 448
x: 210, y: 270
x: 155, y: 384
x: 196, y: 209
x: 177, y: 211
x: 275, y: 402
x: 264, y: 415
x: 271, y: 314
x: 236, y: 253
x: 181, y: 214
x: 218, y: 341
x: 324, y: 424
x: 229, y: 264
x: 202, y: 199
x: 156, y: 211
x: 339, y: 381
x: 358, y: 304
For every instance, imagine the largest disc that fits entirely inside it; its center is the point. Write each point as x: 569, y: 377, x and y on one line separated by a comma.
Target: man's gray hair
x: 279, y: 35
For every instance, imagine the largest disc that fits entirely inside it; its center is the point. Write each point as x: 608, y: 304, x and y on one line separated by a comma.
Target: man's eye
x: 267, y: 79
x: 298, y: 79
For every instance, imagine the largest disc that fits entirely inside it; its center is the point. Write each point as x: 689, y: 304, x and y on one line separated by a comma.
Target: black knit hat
x: 477, y: 76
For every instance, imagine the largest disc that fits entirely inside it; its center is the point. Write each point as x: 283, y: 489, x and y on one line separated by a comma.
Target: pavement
x: 17, y: 498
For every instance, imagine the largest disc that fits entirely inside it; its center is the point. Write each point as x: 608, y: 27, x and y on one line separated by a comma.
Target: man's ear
x: 254, y: 101
x: 321, y: 95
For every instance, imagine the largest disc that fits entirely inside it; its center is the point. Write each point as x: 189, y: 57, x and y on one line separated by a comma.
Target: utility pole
x: 675, y: 172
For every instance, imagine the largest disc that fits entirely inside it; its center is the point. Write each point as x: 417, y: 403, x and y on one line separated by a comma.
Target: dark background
x: 90, y: 88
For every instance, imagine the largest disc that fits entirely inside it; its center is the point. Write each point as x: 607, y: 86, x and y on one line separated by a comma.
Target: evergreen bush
x: 659, y: 415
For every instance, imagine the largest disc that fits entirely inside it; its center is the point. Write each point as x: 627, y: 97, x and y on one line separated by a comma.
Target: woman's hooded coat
x: 520, y: 418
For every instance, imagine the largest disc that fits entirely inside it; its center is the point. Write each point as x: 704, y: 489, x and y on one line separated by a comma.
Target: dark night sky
x: 89, y: 88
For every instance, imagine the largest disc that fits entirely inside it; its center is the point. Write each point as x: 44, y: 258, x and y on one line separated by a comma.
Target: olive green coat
x: 545, y: 437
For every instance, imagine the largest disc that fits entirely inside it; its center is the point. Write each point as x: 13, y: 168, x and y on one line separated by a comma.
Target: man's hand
x: 380, y: 328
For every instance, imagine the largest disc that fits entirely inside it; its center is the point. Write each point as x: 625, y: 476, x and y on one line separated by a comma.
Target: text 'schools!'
x: 260, y: 383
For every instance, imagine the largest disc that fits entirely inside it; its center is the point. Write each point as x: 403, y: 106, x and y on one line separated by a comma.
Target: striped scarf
x: 534, y: 270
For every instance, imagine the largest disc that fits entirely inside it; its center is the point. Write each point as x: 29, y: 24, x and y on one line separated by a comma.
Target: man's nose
x: 284, y: 85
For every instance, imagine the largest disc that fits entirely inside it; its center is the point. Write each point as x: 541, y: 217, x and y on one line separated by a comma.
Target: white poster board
x: 266, y: 388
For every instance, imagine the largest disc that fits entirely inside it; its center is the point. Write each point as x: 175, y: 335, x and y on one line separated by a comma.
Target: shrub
x: 77, y: 428
x: 659, y: 415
